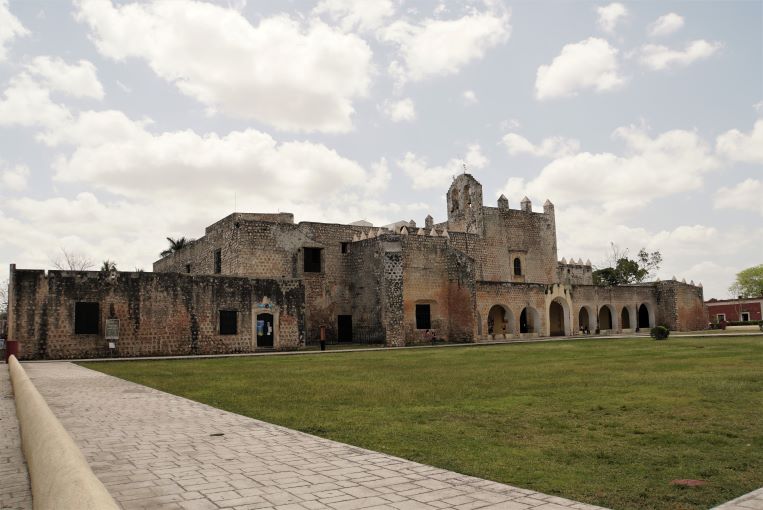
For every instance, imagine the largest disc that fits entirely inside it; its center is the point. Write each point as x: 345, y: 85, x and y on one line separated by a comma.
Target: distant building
x: 733, y: 310
x: 261, y: 281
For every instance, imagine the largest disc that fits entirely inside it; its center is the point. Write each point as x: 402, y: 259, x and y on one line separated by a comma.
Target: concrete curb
x: 60, y: 476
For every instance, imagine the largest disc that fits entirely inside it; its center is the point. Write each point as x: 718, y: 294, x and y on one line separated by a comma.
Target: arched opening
x: 500, y: 321
x: 454, y: 201
x: 643, y: 317
x: 528, y: 320
x: 605, y: 318
x: 517, y: 267
x: 265, y: 330
x: 625, y: 319
x: 584, y: 321
x: 556, y: 319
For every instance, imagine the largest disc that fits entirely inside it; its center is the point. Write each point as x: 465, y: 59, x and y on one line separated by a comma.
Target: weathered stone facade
x: 486, y: 273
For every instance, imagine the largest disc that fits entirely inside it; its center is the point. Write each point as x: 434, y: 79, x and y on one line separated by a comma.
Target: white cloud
x: 741, y: 147
x: 362, y: 15
x: 10, y: 28
x: 589, y: 64
x: 673, y: 162
x: 424, y: 176
x: 14, y: 179
x: 284, y: 72
x: 75, y: 80
x: 470, y: 97
x: 658, y: 57
x: 435, y: 47
x: 400, y: 111
x: 745, y: 196
x: 27, y: 103
x: 380, y: 177
x: 610, y: 15
x: 666, y: 25
x: 552, y: 147
x: 209, y: 166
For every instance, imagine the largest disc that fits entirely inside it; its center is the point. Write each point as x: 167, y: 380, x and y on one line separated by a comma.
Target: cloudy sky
x: 122, y: 123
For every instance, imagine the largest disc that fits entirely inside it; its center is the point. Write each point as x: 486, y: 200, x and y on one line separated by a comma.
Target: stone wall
x: 680, y: 306
x: 159, y: 313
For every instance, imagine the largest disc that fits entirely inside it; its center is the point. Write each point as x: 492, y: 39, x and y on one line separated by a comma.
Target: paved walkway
x: 751, y: 501
x: 156, y: 450
x: 14, y: 479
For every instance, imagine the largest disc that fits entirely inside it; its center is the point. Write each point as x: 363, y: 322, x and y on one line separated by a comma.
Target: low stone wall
x: 61, y: 477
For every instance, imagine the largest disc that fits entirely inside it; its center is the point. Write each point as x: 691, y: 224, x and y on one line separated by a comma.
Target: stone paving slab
x: 750, y: 501
x: 15, y: 492
x: 156, y: 450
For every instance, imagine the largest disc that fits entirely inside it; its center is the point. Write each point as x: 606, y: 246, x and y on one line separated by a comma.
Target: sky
x: 122, y: 123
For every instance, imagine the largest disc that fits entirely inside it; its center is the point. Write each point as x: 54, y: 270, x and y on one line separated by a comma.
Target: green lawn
x: 609, y: 422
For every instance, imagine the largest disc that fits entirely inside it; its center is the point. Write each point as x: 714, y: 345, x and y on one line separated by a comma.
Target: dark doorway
x: 313, y: 260
x: 556, y: 319
x: 643, y: 317
x: 344, y: 328
x: 265, y: 330
x: 584, y: 320
x: 524, y: 327
x: 605, y: 318
x: 625, y: 319
x: 423, y: 318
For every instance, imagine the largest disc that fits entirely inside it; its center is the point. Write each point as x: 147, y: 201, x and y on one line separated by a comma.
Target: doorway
x: 344, y: 328
x: 265, y: 330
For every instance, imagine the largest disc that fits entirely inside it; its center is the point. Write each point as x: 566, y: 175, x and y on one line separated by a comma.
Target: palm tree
x: 108, y: 266
x: 175, y: 245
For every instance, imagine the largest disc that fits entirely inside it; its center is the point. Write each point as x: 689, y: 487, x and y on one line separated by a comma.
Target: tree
x: 623, y: 270
x: 72, y: 261
x: 748, y: 283
x: 108, y: 266
x: 175, y: 245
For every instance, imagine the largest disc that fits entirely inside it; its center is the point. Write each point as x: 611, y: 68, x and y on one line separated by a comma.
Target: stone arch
x: 454, y: 198
x: 558, y: 317
x: 529, y: 320
x: 500, y: 320
x: 606, y: 319
x: 645, y: 316
x: 586, y: 320
x: 625, y: 318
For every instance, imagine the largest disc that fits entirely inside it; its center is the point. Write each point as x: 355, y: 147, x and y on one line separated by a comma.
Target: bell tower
x: 465, y: 205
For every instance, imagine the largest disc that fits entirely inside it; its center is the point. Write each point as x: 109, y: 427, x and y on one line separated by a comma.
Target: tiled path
x: 155, y: 450
x: 14, y: 480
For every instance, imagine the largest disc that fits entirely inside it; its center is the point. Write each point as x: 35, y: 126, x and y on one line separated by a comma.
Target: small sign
x: 112, y: 329
x: 112, y: 345
x: 263, y: 305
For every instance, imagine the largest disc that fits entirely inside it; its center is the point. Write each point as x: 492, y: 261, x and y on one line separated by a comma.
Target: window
x: 228, y: 322
x: 313, y: 260
x: 745, y: 316
x: 218, y: 261
x: 721, y: 317
x: 517, y: 267
x: 188, y: 268
x: 86, y: 318
x: 423, y: 319
x: 345, y: 247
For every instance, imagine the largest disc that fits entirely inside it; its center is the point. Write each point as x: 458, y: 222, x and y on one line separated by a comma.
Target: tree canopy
x: 175, y: 245
x: 623, y: 270
x: 748, y: 283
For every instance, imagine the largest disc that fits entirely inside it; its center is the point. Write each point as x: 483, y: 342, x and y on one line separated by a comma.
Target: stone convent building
x: 260, y: 281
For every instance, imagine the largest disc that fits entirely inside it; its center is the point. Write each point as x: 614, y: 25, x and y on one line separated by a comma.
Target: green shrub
x: 660, y: 333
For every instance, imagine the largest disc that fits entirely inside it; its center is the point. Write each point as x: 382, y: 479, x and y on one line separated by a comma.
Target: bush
x: 660, y: 333
x: 744, y: 323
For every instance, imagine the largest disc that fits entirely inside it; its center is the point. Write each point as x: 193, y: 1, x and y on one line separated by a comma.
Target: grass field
x: 609, y: 422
